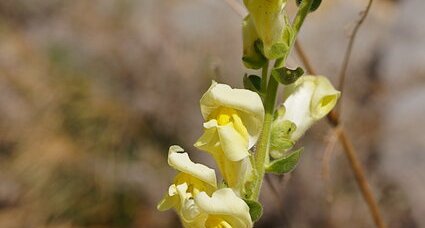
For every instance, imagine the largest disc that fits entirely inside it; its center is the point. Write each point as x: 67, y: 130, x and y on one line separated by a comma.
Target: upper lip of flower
x: 247, y: 105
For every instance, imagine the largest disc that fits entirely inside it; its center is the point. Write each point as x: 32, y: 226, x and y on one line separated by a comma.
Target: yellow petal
x: 209, y: 141
x: 224, y: 204
x: 181, y: 162
x: 234, y: 146
x: 170, y: 200
x: 240, y: 127
x: 248, y: 105
x: 324, y: 98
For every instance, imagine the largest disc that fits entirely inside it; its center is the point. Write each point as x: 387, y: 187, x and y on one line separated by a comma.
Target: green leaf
x: 287, y: 76
x: 285, y: 164
x: 252, y: 82
x: 314, y: 6
x: 255, y: 209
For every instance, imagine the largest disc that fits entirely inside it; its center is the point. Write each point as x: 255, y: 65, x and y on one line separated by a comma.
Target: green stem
x: 264, y: 74
x: 262, y: 151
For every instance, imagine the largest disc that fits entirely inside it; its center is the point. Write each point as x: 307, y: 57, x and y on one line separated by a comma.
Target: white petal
x: 297, y: 107
x: 181, y: 161
x: 227, y: 205
x: 309, y: 99
x: 324, y: 98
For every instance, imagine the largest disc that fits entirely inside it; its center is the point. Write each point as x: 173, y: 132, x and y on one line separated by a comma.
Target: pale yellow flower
x: 234, y: 120
x: 224, y: 209
x: 195, y: 198
x: 309, y: 99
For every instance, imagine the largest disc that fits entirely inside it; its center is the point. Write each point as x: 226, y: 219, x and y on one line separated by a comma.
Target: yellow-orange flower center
x: 223, y: 115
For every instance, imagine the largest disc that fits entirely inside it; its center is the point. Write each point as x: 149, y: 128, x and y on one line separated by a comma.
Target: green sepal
x: 285, y: 164
x: 287, y: 76
x: 253, y: 62
x: 252, y: 82
x: 281, y: 135
x: 259, y: 48
x: 314, y: 6
x: 255, y: 209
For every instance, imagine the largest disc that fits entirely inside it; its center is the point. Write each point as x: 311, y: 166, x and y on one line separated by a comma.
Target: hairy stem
x: 262, y: 152
x: 264, y: 75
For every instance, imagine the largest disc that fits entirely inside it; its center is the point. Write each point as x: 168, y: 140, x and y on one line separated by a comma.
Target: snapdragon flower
x: 233, y: 123
x: 309, y: 99
x: 196, y: 199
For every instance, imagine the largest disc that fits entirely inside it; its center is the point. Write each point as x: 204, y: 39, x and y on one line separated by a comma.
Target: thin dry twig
x: 351, y: 153
x: 327, y: 154
x: 342, y: 74
x: 334, y: 121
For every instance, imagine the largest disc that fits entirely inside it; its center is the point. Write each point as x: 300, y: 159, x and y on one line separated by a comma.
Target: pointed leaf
x: 287, y: 76
x: 285, y: 164
x: 255, y: 209
x: 252, y: 82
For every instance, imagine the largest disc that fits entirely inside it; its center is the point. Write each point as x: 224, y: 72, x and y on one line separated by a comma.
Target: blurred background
x: 92, y: 94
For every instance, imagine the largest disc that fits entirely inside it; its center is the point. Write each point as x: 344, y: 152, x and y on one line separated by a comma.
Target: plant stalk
x: 262, y: 151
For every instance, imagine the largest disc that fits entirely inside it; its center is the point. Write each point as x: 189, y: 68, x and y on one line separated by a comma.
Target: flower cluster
x: 234, y: 119
x: 233, y: 122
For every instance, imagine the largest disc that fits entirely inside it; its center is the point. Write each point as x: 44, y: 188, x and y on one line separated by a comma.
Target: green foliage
x: 285, y: 164
x: 255, y: 209
x: 287, y: 76
x: 315, y: 5
x: 252, y: 82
